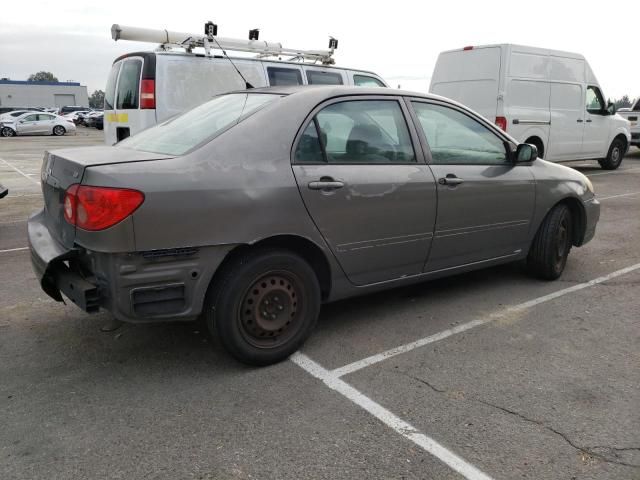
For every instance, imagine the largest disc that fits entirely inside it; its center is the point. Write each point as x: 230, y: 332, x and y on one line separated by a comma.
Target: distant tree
x: 42, y: 77
x: 96, y: 100
x: 623, y: 102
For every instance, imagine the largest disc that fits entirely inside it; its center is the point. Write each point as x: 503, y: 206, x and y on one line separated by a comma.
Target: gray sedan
x: 255, y: 208
x: 32, y: 123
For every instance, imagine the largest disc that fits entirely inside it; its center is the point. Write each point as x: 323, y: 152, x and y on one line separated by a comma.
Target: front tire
x: 8, y: 132
x: 263, y: 305
x: 614, y: 156
x: 59, y: 130
x: 550, y: 248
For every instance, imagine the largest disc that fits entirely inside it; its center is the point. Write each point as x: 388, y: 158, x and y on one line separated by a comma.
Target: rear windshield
x: 180, y: 134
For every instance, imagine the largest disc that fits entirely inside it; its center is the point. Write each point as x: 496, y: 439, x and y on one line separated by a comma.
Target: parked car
x: 71, y: 108
x: 141, y: 87
x: 632, y: 115
x: 98, y: 121
x: 340, y: 192
x: 548, y: 98
x: 4, y: 110
x: 91, y: 119
x: 37, y: 124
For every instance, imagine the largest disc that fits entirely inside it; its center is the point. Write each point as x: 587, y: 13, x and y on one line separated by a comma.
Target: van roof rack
x: 168, y: 39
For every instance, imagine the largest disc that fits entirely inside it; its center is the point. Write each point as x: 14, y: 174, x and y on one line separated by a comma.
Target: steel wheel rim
x: 271, y: 310
x: 615, y: 155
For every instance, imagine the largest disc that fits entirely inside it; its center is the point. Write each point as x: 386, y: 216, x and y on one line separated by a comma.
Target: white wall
x: 21, y: 95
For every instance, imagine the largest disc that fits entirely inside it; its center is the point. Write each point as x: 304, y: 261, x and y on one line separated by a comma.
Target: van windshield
x: 184, y: 132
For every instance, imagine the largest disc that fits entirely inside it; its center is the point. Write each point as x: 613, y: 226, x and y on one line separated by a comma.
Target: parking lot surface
x: 490, y: 374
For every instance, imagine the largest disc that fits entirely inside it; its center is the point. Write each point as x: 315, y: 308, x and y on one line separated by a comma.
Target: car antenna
x: 211, y: 30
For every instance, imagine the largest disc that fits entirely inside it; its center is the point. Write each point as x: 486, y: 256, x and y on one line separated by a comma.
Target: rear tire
x: 8, y: 132
x: 263, y: 305
x: 550, y: 248
x: 615, y: 155
x: 59, y: 130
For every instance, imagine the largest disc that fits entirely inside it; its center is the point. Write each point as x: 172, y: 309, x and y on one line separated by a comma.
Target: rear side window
x: 195, y: 127
x: 129, y: 85
x: 110, y: 91
x: 30, y: 118
x: 284, y: 76
x: 366, y: 81
x: 315, y: 77
x: 44, y: 117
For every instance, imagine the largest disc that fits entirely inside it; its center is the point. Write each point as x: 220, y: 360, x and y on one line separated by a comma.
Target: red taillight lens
x: 501, y: 122
x: 96, y: 208
x: 148, y: 94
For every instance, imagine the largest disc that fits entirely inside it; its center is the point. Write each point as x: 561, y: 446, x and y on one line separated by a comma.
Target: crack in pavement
x: 585, y: 450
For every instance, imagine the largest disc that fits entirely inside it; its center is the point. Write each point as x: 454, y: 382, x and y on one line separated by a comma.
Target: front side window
x: 366, y: 81
x: 129, y: 85
x: 316, y: 77
x: 284, y: 76
x: 595, y: 102
x: 358, y: 131
x: 455, y: 138
x: 184, y: 132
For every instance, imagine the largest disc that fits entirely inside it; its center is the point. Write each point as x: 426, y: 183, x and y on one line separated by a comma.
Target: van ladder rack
x: 168, y: 39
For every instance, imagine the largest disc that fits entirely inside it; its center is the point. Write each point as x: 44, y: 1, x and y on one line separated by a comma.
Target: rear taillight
x: 501, y: 122
x: 148, y: 94
x: 96, y: 208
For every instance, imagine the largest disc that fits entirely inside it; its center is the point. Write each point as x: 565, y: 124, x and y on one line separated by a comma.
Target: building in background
x: 21, y: 93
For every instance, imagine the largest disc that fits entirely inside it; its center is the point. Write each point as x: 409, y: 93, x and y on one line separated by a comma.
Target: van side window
x: 284, y: 76
x: 110, y: 90
x: 129, y: 85
x: 456, y: 139
x: 595, y: 102
x: 366, y: 81
x: 315, y: 77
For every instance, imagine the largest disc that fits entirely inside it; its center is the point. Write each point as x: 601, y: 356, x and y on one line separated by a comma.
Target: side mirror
x: 611, y: 108
x: 526, y: 153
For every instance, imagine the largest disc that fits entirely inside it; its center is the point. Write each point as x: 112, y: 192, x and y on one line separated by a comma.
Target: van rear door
x: 470, y: 76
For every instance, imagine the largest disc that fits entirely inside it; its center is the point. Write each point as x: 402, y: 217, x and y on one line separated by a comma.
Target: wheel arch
x: 578, y: 218
x: 302, y: 246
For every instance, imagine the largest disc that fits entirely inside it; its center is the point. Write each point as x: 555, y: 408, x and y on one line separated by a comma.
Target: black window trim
x: 311, y: 117
x: 507, y: 142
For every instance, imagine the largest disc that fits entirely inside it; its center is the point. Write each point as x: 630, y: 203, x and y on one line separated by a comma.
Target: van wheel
x: 263, y: 306
x: 8, y: 132
x: 615, y: 155
x: 550, y: 248
x: 59, y: 130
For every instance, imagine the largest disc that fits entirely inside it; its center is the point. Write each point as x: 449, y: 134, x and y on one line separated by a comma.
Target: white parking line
x: 401, y: 427
x: 620, y: 195
x: 14, y: 250
x: 614, y: 171
x: 25, y: 175
x: 379, y: 357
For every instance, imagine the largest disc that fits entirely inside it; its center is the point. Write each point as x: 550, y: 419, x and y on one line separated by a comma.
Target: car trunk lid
x: 63, y: 168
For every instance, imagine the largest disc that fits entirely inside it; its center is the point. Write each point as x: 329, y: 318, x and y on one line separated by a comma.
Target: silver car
x: 255, y: 208
x: 36, y: 123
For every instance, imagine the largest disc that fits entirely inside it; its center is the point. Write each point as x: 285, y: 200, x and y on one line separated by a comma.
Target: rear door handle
x: 451, y: 180
x: 579, y: 120
x: 325, y: 183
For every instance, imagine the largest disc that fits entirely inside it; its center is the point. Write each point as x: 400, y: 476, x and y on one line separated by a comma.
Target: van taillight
x: 501, y: 122
x: 96, y: 208
x: 148, y: 94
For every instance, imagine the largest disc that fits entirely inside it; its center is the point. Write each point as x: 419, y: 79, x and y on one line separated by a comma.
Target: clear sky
x: 400, y: 40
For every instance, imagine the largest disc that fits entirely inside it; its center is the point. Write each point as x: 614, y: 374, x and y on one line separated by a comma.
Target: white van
x: 145, y: 88
x: 544, y: 97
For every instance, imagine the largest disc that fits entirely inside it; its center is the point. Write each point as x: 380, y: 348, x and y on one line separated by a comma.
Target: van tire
x: 614, y: 156
x: 263, y: 305
x: 551, y: 245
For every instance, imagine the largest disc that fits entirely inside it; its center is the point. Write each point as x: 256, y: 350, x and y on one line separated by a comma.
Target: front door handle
x: 450, y: 180
x: 589, y: 121
x: 326, y: 184
x: 579, y: 120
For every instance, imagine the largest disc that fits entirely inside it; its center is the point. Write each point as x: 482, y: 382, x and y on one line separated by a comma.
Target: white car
x: 547, y: 98
x: 37, y: 124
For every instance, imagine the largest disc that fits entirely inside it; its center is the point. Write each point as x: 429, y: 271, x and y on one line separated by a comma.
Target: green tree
x: 42, y: 77
x: 623, y: 102
x: 96, y: 100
